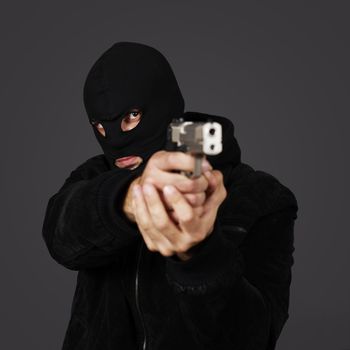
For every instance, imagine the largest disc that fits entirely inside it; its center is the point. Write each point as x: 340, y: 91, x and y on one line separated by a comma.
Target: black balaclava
x: 132, y: 75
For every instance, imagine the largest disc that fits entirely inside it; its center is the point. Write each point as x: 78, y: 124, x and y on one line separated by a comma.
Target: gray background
x: 278, y: 70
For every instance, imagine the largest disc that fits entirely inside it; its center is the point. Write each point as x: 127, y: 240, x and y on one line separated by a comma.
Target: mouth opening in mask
x: 129, y: 162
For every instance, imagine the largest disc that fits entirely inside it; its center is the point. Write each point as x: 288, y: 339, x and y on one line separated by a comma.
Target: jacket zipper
x: 144, y: 344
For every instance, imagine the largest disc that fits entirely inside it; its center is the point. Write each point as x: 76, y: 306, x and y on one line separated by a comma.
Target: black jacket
x: 233, y: 294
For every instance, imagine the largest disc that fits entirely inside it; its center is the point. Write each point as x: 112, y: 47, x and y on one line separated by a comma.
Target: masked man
x: 165, y: 261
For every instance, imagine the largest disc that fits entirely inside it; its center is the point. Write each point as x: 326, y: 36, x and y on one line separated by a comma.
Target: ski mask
x: 132, y: 75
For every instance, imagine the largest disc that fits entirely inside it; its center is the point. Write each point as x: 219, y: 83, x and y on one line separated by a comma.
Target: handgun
x: 197, y: 138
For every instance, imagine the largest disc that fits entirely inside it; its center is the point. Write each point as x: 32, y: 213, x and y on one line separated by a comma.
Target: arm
x: 84, y: 224
x: 238, y: 297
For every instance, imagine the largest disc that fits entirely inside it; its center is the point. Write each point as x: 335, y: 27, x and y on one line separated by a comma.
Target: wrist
x: 127, y: 204
x: 189, y: 254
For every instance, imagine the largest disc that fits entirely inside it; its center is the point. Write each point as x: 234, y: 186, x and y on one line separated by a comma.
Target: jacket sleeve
x: 237, y: 297
x: 84, y: 225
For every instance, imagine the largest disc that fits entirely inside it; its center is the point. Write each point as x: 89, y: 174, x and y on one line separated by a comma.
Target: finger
x: 157, y: 211
x: 158, y: 240
x: 192, y: 185
x: 169, y: 232
x: 197, y: 210
x: 184, y: 211
x: 159, y: 178
x: 184, y: 184
x: 177, y: 161
x: 174, y: 218
x: 142, y: 217
x: 216, y: 191
x: 165, y: 201
x: 195, y: 199
x: 212, y: 179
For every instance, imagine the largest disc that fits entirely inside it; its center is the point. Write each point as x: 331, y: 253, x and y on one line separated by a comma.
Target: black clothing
x: 232, y: 294
x: 132, y: 75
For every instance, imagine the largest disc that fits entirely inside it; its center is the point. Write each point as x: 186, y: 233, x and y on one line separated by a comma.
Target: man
x: 165, y: 261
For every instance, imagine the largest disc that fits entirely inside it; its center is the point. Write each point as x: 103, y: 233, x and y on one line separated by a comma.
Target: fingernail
x: 168, y: 189
x: 147, y: 188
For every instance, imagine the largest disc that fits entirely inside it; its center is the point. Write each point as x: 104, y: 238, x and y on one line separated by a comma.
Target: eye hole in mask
x: 98, y: 126
x: 129, y: 121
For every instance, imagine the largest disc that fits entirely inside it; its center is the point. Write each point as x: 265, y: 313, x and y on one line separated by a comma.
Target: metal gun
x: 197, y: 138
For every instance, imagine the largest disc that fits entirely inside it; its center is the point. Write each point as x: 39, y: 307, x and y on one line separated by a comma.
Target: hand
x: 158, y: 173
x: 160, y: 233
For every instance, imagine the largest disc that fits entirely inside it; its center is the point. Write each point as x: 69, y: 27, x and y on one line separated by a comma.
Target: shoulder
x: 99, y: 161
x: 253, y: 194
x: 260, y: 185
x: 91, y: 167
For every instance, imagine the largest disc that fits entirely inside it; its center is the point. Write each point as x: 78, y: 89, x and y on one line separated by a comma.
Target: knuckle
x: 189, y: 185
x: 158, y: 154
x: 187, y: 217
x: 190, y: 197
x: 162, y: 224
x: 223, y: 193
x: 218, y: 175
x: 183, y: 185
x: 166, y: 251
x: 194, y: 199
x: 149, y: 180
x: 147, y: 227
x: 193, y: 240
x: 182, y: 248
x: 156, y: 158
x: 150, y: 245
x: 173, y: 158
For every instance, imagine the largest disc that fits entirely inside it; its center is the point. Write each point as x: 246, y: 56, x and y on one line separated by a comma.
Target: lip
x: 124, y: 158
x: 127, y: 161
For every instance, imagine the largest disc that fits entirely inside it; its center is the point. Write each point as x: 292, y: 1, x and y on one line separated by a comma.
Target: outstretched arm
x: 84, y: 224
x: 90, y: 219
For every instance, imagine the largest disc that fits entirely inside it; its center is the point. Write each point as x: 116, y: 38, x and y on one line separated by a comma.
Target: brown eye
x: 131, y: 120
x: 99, y: 128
